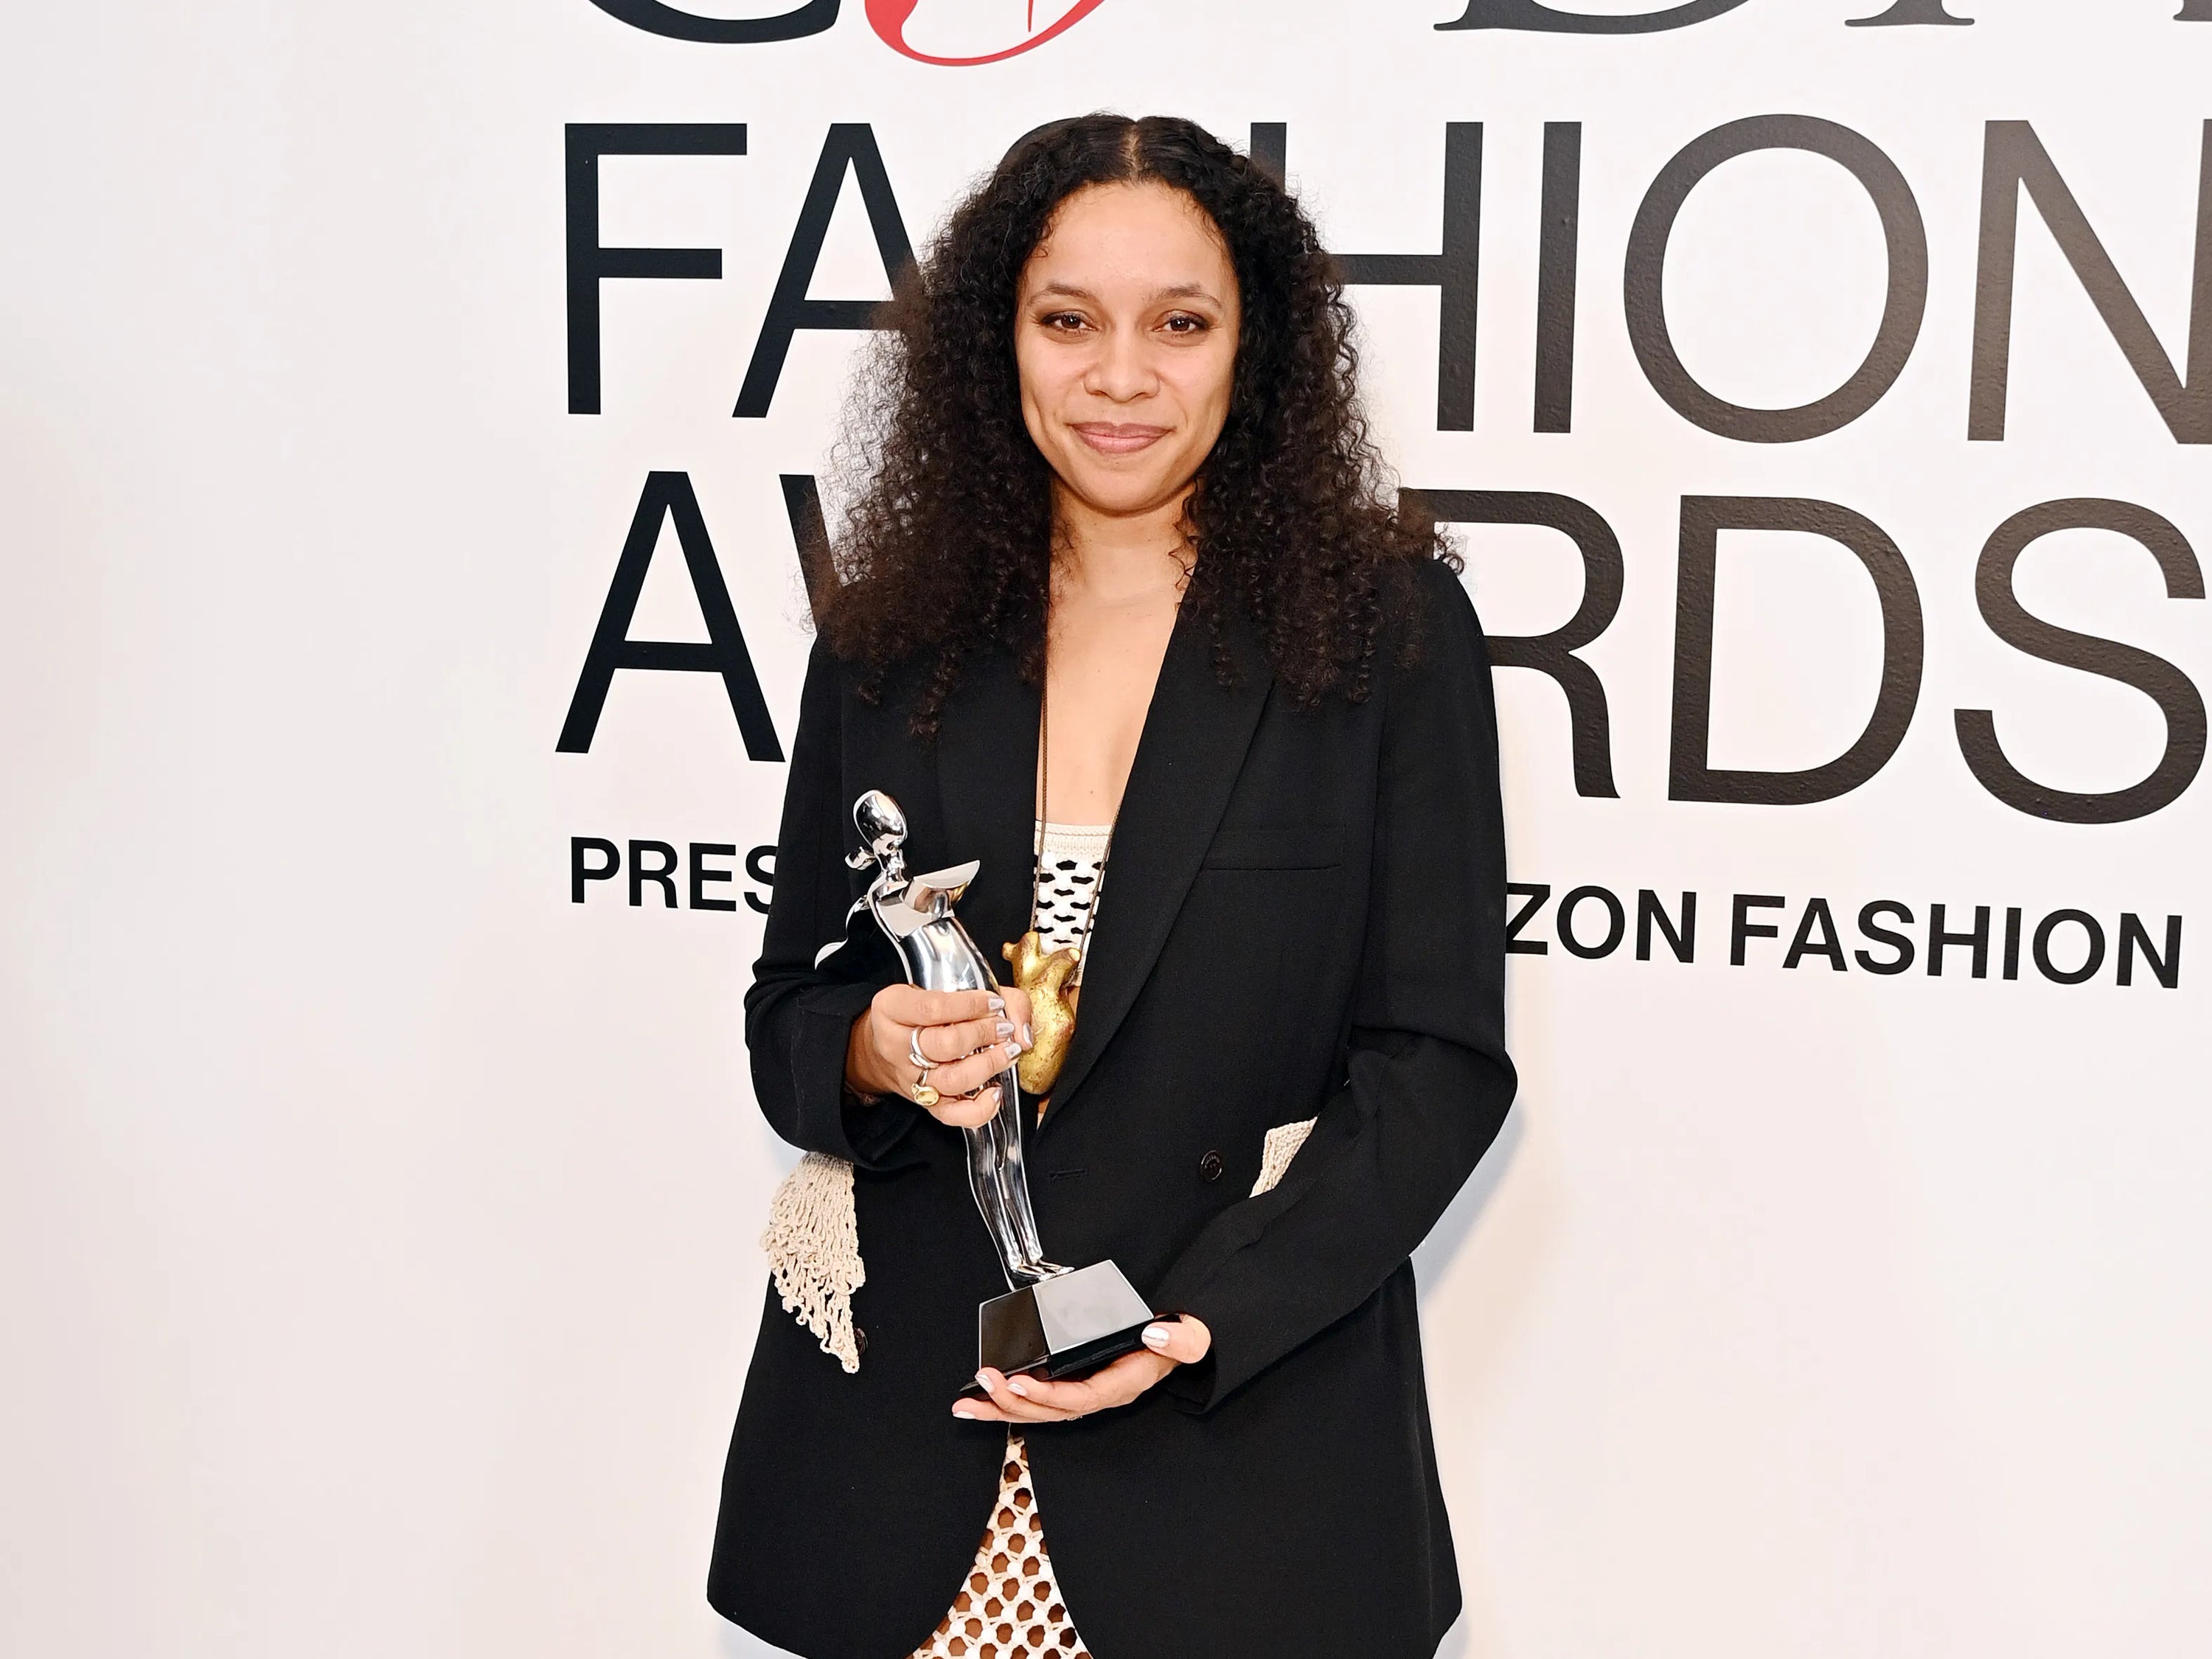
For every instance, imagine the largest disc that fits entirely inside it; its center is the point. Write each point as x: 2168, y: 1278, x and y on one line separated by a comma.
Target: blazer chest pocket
x: 1276, y: 846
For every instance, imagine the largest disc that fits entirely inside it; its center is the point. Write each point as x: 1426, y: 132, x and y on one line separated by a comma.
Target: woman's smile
x: 1119, y: 438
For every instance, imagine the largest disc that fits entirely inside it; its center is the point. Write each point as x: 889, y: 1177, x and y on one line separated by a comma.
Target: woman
x: 1122, y: 614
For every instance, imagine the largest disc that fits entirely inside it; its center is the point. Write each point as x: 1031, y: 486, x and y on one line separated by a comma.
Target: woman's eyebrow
x: 1179, y: 291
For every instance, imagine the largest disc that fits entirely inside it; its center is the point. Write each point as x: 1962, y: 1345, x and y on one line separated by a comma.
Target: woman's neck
x: 1115, y: 559
x: 1117, y: 583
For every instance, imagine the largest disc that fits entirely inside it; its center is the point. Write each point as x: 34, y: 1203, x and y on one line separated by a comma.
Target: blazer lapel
x: 1192, y: 747
x: 987, y: 783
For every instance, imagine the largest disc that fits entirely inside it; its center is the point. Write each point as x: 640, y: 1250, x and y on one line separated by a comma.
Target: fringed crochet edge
x: 813, y: 1245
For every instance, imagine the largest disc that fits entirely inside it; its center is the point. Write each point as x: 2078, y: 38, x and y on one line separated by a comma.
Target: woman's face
x: 1125, y: 333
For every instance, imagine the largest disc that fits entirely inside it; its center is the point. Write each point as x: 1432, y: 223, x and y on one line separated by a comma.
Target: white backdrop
x: 377, y: 1225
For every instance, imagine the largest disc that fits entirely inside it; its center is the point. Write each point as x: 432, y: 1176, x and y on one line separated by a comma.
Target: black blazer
x: 1304, y: 916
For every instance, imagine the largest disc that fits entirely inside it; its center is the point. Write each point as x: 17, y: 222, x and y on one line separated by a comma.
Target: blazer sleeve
x: 798, y: 1017
x: 1429, y: 1081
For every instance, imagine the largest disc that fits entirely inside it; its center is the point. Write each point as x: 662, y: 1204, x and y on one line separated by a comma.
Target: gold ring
x: 924, y: 1095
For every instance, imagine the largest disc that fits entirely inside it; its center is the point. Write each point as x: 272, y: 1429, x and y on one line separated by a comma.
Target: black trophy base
x: 1068, y: 1326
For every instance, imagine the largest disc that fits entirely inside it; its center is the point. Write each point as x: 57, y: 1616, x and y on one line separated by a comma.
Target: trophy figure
x: 1053, y: 1320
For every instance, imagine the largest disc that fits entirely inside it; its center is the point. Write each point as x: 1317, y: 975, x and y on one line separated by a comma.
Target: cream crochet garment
x: 813, y: 1245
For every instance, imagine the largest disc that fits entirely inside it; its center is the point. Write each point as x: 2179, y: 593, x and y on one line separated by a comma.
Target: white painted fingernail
x: 1014, y: 1051
x: 1026, y: 1039
x: 983, y: 1378
x: 1157, y: 1336
x: 1014, y: 1385
x: 965, y: 1412
x: 1004, y: 1030
x: 998, y: 1004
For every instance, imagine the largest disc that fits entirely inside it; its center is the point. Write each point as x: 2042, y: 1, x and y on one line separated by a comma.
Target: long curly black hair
x: 947, y: 549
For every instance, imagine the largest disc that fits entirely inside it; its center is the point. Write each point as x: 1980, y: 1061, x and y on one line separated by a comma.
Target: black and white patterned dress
x: 1071, y: 858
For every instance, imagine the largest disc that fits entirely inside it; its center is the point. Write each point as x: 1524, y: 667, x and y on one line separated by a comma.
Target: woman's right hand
x: 968, y: 1038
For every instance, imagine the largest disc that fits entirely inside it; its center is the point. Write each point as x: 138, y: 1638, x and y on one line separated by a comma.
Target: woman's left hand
x: 1168, y: 1343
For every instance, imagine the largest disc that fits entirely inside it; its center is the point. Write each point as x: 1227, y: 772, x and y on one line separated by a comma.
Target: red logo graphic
x: 888, y: 19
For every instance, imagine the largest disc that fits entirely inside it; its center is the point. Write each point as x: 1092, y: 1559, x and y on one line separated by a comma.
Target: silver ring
x: 922, y: 1061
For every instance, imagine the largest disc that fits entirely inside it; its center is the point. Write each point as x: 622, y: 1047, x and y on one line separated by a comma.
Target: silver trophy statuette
x: 1053, y: 1320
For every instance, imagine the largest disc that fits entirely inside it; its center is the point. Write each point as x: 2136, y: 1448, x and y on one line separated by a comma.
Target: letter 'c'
x: 655, y: 18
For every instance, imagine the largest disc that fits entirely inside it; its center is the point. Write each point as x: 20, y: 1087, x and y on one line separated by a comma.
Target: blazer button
x: 1210, y: 1167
